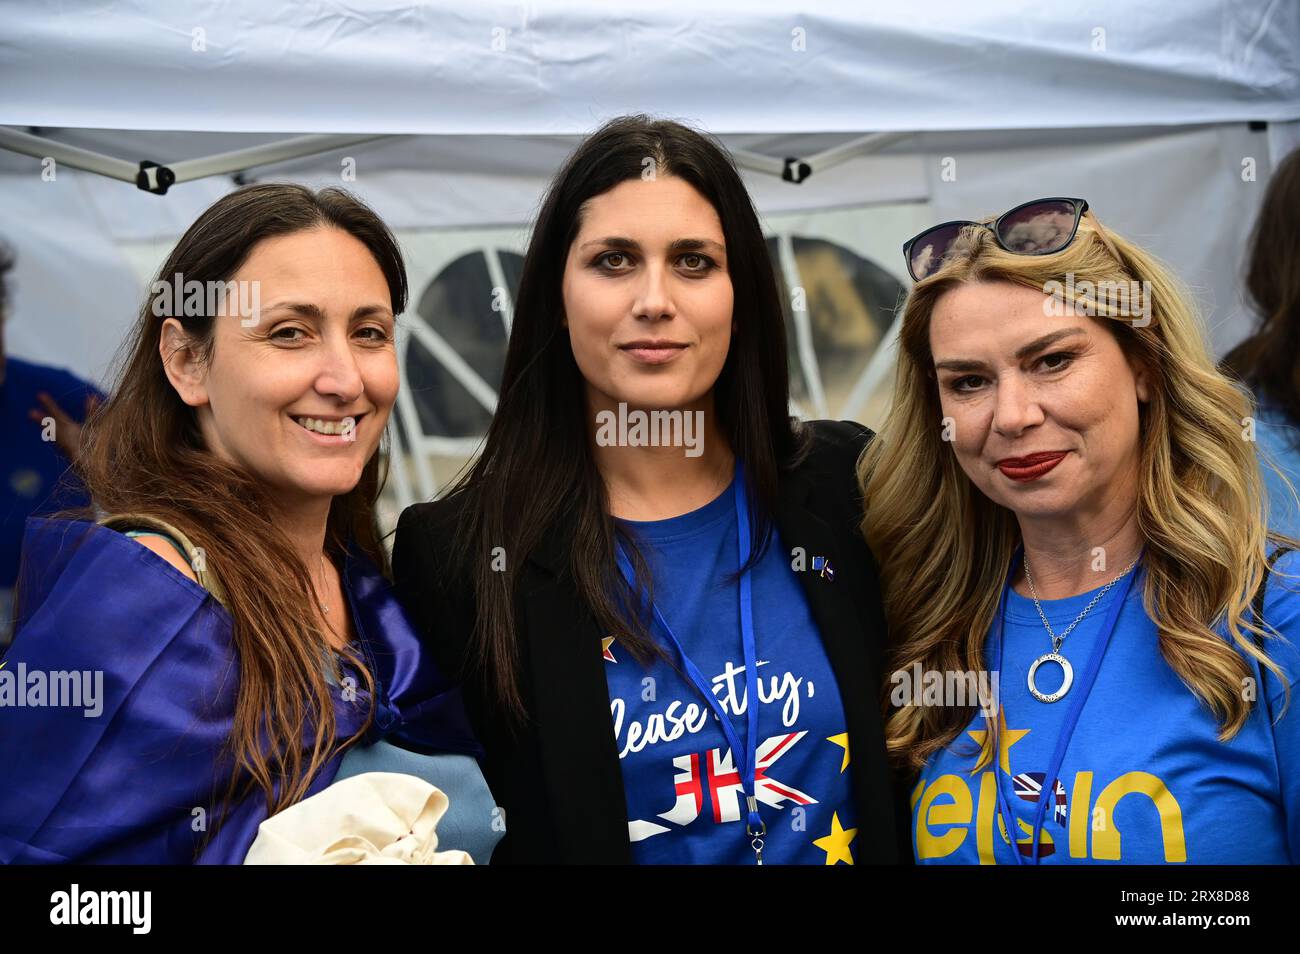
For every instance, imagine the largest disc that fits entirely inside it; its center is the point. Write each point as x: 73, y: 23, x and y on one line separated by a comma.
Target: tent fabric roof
x: 758, y: 66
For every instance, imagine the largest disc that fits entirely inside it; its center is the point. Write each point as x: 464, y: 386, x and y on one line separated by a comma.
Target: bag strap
x: 1258, y: 605
x: 207, y: 578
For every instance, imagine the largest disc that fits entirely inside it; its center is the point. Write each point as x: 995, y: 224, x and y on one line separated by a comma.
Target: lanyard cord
x: 1072, y: 717
x: 746, y: 757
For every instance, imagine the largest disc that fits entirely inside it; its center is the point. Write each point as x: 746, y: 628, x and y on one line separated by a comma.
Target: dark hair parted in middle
x: 537, y: 470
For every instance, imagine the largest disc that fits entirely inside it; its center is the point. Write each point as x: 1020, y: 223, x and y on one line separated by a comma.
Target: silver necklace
x: 324, y: 573
x: 1055, y: 655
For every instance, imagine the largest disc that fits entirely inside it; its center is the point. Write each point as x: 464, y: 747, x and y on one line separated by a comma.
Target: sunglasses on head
x: 1040, y: 227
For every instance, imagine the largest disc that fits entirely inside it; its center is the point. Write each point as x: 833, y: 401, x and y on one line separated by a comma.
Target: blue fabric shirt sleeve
x: 113, y: 774
x: 1282, y: 612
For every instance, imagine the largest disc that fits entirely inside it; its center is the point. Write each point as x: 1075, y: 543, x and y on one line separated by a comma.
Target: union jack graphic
x: 1028, y: 785
x: 714, y: 772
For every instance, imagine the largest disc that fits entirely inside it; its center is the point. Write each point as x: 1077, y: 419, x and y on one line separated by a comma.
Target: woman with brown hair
x: 1268, y: 361
x: 1069, y: 520
x: 230, y: 654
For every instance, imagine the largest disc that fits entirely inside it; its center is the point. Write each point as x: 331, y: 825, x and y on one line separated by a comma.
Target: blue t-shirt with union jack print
x: 1145, y: 778
x: 684, y: 799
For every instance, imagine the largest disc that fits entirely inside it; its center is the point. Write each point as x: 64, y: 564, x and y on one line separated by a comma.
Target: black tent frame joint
x: 796, y: 170
x: 154, y: 178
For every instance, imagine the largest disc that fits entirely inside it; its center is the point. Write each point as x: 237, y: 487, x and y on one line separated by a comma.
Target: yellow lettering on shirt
x: 984, y: 818
x: 958, y: 812
x: 1079, y: 814
x: 1106, y: 841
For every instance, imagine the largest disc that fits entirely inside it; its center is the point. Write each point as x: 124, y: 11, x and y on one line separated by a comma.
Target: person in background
x: 1269, y: 360
x: 41, y: 413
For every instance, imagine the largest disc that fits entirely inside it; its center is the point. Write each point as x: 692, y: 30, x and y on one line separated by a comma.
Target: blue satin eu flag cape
x: 132, y: 783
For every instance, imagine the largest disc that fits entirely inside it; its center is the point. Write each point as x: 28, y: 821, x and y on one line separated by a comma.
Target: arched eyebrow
x: 678, y: 245
x: 307, y: 309
x: 1038, y: 344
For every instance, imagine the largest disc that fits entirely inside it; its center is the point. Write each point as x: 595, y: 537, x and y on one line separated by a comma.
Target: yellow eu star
x: 836, y: 844
x: 842, y: 740
x: 1006, y: 739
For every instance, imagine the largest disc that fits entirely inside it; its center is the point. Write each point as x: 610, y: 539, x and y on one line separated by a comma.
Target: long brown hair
x: 1269, y: 360
x: 145, y: 454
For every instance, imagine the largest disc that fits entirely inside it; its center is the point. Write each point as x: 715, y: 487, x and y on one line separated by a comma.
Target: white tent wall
x: 392, y: 66
x: 1181, y: 195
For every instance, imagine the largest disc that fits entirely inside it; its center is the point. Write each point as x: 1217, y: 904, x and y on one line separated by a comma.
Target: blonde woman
x: 1066, y: 505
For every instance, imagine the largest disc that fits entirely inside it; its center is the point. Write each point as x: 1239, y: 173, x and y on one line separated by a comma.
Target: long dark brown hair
x: 537, y: 471
x: 1269, y: 360
x: 145, y: 454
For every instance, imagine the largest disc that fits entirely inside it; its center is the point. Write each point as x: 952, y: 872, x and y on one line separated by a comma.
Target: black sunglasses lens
x: 1039, y: 228
x: 930, y: 250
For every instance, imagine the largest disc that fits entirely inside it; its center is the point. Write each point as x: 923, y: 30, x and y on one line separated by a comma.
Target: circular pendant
x: 1065, y: 685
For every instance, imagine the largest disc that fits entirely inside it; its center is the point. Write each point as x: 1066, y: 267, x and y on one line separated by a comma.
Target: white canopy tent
x: 854, y: 128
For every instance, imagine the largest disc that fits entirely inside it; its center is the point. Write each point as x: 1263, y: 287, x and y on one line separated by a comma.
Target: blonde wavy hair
x: 944, y: 548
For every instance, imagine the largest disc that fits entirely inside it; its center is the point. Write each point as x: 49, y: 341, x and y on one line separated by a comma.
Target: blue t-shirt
x: 1145, y: 779
x: 684, y: 800
x: 1277, y: 440
x: 30, y: 467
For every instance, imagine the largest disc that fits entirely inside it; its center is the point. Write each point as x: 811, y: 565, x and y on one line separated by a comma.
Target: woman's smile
x: 329, y: 430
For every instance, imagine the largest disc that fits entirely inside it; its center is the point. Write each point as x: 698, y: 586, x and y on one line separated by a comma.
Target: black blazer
x: 558, y: 776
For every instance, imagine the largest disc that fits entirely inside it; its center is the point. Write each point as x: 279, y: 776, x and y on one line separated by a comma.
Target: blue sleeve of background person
x: 65, y: 387
x: 69, y: 391
x: 1282, y: 611
x: 1277, y: 440
x: 34, y: 475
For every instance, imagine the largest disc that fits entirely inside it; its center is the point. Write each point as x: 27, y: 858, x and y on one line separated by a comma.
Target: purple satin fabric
x: 139, y: 782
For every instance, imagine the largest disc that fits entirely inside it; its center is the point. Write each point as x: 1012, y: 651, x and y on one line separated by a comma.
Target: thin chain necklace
x: 324, y: 573
x: 1055, y: 655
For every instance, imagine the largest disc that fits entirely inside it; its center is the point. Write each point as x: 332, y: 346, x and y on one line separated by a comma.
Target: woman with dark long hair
x: 668, y: 632
x: 1268, y: 361
x: 224, y: 611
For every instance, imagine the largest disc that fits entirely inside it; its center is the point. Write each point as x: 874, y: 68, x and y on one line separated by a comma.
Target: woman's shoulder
x: 61, y: 552
x: 828, y: 441
x: 164, y: 548
x: 1281, y: 608
x: 92, y: 599
x: 425, y: 555
x: 437, y: 518
x: 828, y: 455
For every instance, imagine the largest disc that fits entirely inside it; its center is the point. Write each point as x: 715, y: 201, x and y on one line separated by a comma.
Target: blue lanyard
x: 746, y: 758
x: 1072, y: 718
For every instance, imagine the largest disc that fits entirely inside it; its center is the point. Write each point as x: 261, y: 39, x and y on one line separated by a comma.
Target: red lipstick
x: 1031, y: 467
